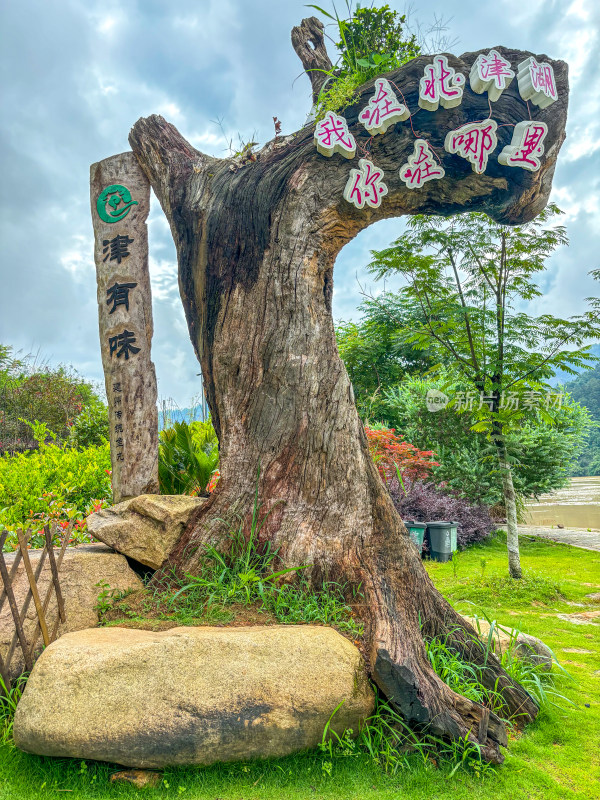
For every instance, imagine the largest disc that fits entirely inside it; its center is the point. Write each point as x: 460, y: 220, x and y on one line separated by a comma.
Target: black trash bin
x: 440, y: 540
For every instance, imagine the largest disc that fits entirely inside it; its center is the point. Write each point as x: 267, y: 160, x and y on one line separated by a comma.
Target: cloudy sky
x: 76, y: 74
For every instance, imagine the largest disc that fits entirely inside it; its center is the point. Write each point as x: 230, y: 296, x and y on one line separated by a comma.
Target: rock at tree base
x: 529, y: 648
x: 191, y: 695
x: 85, y: 572
x: 525, y: 647
x: 144, y: 528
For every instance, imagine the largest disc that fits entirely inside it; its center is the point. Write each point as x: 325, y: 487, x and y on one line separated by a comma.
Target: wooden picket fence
x: 43, y: 625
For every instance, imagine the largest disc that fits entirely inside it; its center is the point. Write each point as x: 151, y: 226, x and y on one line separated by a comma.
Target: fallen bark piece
x: 140, y: 778
x: 144, y: 528
x: 191, y: 695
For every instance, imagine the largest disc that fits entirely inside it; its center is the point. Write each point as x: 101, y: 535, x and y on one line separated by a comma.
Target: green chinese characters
x: 114, y: 202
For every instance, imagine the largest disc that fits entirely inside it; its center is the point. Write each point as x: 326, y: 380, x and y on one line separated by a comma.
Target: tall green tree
x: 54, y: 396
x: 543, y: 456
x: 376, y: 353
x: 471, y: 277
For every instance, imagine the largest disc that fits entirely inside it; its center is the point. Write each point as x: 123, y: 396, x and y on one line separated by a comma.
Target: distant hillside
x: 585, y: 389
x: 168, y: 415
x: 563, y: 377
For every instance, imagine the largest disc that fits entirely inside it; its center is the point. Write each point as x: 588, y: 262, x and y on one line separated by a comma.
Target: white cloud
x: 163, y: 277
x: 582, y: 142
x: 78, y: 259
x: 580, y: 9
x: 107, y: 24
x: 170, y: 110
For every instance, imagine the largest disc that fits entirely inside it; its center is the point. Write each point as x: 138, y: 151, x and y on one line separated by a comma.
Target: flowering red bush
x: 389, y: 451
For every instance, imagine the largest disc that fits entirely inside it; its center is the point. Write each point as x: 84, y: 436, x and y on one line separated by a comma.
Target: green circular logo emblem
x: 114, y: 202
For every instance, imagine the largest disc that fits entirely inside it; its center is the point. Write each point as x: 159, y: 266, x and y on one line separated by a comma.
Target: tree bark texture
x: 510, y: 505
x: 256, y: 246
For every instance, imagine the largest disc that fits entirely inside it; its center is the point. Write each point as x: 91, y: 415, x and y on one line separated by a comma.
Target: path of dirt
x: 578, y: 537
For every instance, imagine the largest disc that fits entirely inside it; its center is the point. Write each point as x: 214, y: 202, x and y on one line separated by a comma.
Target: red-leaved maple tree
x: 389, y: 452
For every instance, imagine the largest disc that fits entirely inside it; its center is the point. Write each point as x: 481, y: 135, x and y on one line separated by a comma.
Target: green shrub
x: 53, y: 482
x: 542, y: 455
x: 90, y: 428
x: 30, y: 390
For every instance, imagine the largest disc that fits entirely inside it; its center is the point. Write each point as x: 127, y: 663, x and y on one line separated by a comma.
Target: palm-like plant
x: 188, y: 454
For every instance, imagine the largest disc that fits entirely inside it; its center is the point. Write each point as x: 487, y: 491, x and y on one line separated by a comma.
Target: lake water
x: 575, y: 506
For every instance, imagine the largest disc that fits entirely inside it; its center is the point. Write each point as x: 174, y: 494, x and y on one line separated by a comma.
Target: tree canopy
x: 471, y: 278
x: 55, y: 396
x: 376, y: 354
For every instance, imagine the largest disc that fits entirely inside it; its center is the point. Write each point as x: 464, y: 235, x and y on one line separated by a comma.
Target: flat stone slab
x: 191, y: 695
x: 584, y: 618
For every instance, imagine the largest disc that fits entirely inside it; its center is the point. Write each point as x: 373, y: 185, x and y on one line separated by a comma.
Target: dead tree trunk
x: 256, y: 244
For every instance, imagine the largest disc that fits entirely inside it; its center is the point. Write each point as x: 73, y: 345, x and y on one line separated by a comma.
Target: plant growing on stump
x: 256, y: 245
x: 470, y: 277
x: 372, y: 41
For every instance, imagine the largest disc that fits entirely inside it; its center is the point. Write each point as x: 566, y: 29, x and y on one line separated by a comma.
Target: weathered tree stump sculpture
x: 256, y: 244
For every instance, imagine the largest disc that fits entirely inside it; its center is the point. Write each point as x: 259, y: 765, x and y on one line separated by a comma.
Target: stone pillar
x: 120, y: 199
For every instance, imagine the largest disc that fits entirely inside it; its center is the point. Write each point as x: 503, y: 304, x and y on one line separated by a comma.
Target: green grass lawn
x: 556, y: 758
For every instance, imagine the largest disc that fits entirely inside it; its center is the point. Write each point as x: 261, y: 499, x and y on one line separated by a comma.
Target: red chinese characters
x: 490, y: 73
x: 440, y: 84
x: 536, y: 82
x: 365, y: 185
x: 473, y: 141
x: 383, y: 109
x: 527, y: 146
x: 332, y: 136
x: 420, y: 167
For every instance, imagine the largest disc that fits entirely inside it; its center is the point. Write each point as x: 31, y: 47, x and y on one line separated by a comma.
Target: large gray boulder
x: 191, y: 695
x: 144, y: 528
x: 86, y: 571
x: 522, y: 646
x: 532, y: 649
